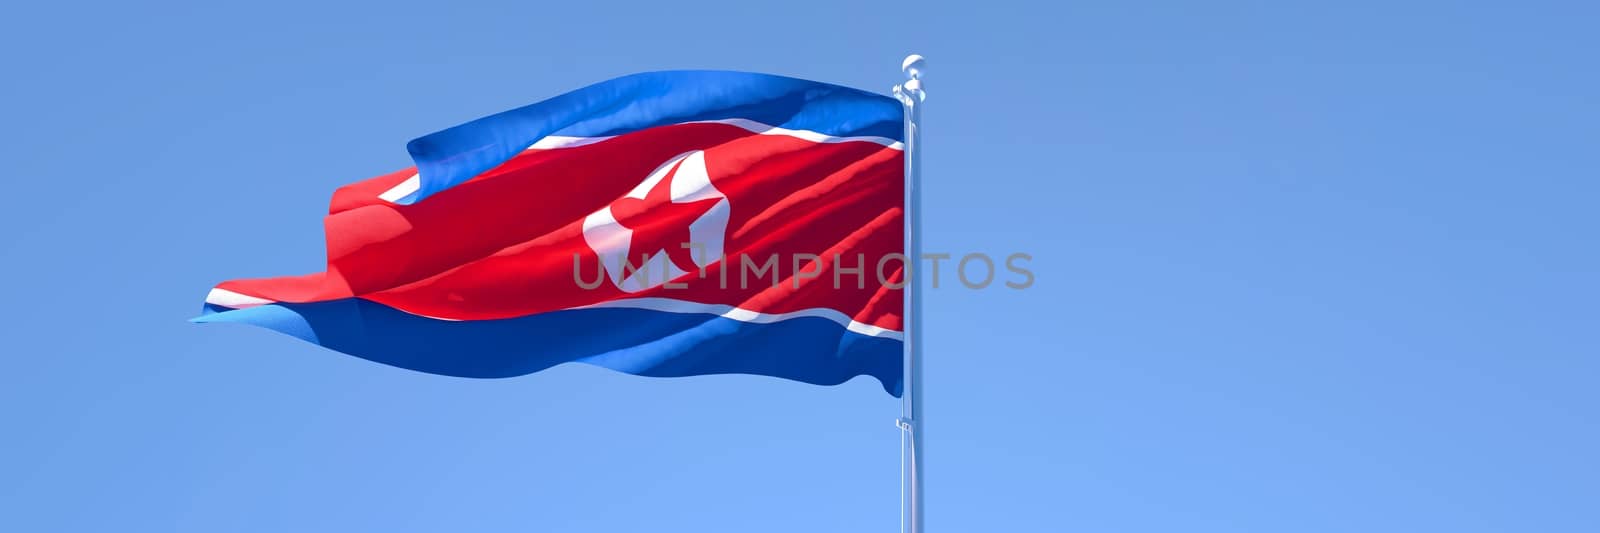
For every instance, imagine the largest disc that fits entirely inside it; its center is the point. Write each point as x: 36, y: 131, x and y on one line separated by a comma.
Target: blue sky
x: 1314, y: 267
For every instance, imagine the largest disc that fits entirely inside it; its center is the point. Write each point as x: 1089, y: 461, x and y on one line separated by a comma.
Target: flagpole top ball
x: 913, y: 66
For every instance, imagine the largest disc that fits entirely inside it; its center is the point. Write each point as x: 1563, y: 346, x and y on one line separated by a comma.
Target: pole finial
x: 913, y: 66
x: 911, y: 91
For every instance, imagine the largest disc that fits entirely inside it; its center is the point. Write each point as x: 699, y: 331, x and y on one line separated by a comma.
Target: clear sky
x: 1325, y: 267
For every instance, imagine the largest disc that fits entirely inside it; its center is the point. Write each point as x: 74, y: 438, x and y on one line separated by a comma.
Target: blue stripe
x: 636, y: 341
x: 646, y: 100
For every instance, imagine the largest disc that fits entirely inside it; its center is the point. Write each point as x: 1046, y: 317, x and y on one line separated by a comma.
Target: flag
x: 661, y: 224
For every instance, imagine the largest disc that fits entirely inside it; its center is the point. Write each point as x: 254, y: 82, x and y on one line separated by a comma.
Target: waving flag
x: 661, y: 224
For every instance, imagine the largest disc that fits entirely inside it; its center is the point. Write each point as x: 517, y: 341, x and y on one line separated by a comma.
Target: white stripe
x: 561, y: 141
x: 745, y: 315
x: 809, y: 135
x: 227, y: 298
x: 412, y: 184
x: 405, y: 188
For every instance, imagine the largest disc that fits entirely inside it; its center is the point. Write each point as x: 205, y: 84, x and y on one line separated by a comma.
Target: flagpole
x: 912, y: 421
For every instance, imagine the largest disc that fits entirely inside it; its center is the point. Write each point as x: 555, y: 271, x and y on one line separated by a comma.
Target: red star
x: 660, y: 224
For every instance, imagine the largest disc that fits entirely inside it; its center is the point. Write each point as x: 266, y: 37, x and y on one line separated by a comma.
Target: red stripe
x: 502, y: 245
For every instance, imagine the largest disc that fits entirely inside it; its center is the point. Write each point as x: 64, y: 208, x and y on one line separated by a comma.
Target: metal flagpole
x: 912, y: 421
